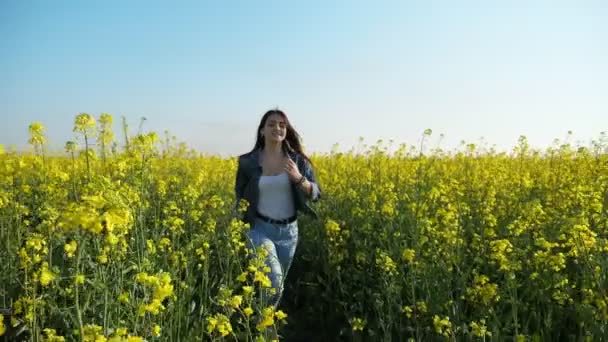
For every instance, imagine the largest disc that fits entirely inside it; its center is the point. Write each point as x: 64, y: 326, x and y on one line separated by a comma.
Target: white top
x: 276, y: 199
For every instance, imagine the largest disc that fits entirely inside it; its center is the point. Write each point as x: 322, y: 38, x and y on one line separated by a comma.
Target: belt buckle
x: 275, y: 221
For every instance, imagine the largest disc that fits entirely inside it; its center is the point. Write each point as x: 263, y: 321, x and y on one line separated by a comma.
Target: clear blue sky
x: 207, y: 70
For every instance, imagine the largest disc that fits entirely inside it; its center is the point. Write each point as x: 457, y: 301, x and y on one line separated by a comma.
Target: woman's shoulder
x: 244, y: 156
x: 248, y: 158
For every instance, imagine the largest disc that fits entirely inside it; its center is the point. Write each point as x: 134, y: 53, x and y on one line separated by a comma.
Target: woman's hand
x: 292, y: 170
x: 295, y: 176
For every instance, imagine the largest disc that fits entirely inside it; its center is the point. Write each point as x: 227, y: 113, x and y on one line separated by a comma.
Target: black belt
x: 273, y: 221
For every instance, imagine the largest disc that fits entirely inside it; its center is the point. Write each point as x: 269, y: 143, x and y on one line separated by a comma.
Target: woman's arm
x: 239, y: 184
x: 309, y: 184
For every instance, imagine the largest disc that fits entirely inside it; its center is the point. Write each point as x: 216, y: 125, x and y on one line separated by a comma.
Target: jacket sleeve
x: 240, y: 183
x: 310, y: 176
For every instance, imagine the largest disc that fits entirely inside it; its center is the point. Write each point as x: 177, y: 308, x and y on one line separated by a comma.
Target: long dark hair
x: 292, y: 142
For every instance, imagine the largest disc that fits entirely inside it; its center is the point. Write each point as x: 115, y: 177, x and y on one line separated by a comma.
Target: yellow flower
x: 84, y: 123
x: 219, y: 322
x: 46, y: 277
x: 154, y: 307
x: 242, y: 278
x: 51, y: 336
x: 267, y: 319
x: 248, y: 311
x: 262, y: 279
x: 79, y: 279
x: 421, y: 306
x: 407, y: 310
x: 124, y: 298
x: 443, y: 326
x: 93, y: 333
x: 37, y: 133
x: 112, y: 239
x: 2, y: 327
x: 408, y: 255
x: 102, y: 258
x: 280, y: 315
x: 225, y: 327
x: 247, y: 290
x: 156, y: 330
x: 236, y: 301
x: 163, y: 291
x: 483, y: 290
x: 211, y: 324
x: 164, y: 244
x: 480, y: 329
x: 70, y: 248
x: 150, y: 247
x: 358, y: 324
x: 121, y: 332
x: 386, y: 263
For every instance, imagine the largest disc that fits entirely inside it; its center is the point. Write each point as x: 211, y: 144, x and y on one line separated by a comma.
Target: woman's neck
x: 273, y: 148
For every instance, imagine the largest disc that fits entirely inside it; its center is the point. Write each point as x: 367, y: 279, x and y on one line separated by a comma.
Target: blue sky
x: 206, y: 71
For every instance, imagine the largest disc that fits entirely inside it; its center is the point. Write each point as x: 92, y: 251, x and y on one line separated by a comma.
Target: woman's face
x: 275, y: 128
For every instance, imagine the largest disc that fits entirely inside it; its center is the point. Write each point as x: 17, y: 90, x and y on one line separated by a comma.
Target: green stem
x: 86, y: 146
x: 77, y: 294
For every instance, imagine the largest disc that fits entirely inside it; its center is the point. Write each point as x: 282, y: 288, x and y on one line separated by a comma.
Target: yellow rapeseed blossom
x: 37, y: 137
x: 386, y: 263
x: 242, y: 277
x: 357, y: 324
x: 93, y: 333
x: 449, y: 220
x: 46, y: 276
x: 266, y: 320
x: 407, y: 310
x: 500, y: 251
x: 236, y: 301
x: 443, y: 326
x: 408, y: 255
x: 84, y: 122
x: 124, y: 298
x: 156, y: 330
x: 280, y: 315
x: 50, y: 335
x: 263, y: 279
x: 70, y: 248
x: 247, y: 290
x: 421, y: 307
x: 483, y: 291
x: 219, y: 323
x: 79, y: 279
x: 479, y: 329
x: 332, y: 229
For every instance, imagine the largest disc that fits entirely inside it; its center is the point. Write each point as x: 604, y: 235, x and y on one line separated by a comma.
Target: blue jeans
x: 280, y: 241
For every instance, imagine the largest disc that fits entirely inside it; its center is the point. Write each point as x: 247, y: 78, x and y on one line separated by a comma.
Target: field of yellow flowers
x: 141, y: 242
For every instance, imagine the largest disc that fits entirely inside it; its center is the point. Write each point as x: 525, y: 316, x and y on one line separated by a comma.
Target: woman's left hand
x: 292, y: 170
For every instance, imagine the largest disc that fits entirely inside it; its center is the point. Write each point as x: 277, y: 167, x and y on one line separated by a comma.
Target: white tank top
x: 276, y: 199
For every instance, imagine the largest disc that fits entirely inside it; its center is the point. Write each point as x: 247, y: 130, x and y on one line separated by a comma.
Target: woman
x: 277, y: 180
